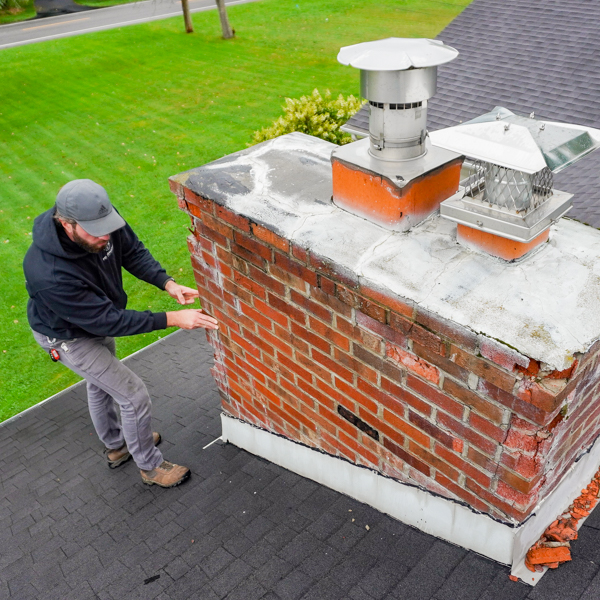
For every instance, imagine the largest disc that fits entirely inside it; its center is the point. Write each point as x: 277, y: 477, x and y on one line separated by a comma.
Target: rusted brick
x: 482, y: 405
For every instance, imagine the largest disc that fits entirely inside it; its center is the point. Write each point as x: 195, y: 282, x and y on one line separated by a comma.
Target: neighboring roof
x: 240, y: 529
x: 539, y: 56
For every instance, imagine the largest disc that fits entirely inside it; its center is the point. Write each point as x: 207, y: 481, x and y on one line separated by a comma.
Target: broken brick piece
x: 545, y: 556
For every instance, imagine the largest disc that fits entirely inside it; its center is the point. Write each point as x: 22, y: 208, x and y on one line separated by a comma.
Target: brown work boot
x: 120, y: 455
x: 166, y: 475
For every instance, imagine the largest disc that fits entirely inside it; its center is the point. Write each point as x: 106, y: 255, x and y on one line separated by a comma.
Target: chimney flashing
x: 287, y: 185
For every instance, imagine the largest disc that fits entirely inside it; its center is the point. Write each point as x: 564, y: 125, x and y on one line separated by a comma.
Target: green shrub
x: 14, y: 6
x: 317, y: 115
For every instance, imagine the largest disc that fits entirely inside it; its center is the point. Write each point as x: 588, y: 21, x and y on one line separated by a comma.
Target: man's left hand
x: 183, y: 295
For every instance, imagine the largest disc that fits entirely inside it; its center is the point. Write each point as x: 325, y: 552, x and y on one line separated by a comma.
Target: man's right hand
x: 191, y: 319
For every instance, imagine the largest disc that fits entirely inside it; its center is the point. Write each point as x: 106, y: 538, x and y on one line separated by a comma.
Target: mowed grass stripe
x: 156, y: 92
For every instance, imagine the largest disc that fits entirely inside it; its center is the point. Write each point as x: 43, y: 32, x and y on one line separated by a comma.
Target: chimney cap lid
x: 520, y: 143
x: 397, y: 54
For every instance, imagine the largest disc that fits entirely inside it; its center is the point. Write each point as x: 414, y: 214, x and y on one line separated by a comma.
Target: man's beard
x: 93, y: 248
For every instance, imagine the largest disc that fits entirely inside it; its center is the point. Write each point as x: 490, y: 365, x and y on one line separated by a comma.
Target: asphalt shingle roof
x: 539, y: 56
x: 240, y: 528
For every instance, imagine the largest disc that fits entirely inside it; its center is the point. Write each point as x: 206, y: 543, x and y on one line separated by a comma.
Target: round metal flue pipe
x: 397, y: 77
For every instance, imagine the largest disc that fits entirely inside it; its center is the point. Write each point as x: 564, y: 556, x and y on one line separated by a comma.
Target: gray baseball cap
x: 87, y: 203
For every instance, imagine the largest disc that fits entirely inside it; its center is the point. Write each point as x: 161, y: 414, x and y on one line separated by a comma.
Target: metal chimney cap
x: 397, y: 54
x: 521, y: 143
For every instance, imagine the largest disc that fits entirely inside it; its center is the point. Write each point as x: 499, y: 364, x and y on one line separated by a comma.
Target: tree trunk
x: 187, y: 19
x: 228, y: 33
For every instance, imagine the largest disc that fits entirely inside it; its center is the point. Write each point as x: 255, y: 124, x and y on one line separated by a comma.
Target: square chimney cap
x: 397, y: 54
x: 522, y: 143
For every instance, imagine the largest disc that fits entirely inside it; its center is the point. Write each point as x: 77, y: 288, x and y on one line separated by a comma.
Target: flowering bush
x: 317, y: 115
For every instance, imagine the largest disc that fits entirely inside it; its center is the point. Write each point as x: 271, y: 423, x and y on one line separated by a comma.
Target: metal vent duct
x: 397, y: 77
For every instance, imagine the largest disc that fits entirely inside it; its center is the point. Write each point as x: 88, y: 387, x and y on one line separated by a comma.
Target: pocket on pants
x: 87, y: 354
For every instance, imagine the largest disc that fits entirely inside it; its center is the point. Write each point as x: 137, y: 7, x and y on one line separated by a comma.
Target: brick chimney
x: 447, y: 388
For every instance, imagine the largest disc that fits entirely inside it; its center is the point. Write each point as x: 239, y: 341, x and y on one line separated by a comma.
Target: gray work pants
x: 109, y: 381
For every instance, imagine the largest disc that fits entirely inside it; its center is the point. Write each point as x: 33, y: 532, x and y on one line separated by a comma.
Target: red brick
x: 250, y: 285
x: 274, y: 341
x: 265, y: 280
x: 334, y: 271
x: 482, y: 368
x: 331, y: 366
x: 313, y: 307
x: 443, y: 363
x: 498, y: 503
x: 369, y: 340
x: 430, y: 429
x: 432, y: 394
x: 354, y: 445
x: 256, y: 316
x: 237, y: 291
x: 406, y: 457
x: 287, y: 278
x: 502, y: 355
x: 481, y: 459
x: 295, y: 368
x: 415, y: 364
x: 326, y: 285
x: 538, y: 395
x: 311, y: 338
x: 232, y: 218
x: 245, y: 344
x: 321, y: 422
x: 331, y: 301
x: 476, y: 402
x: 355, y: 395
x: 346, y: 296
x: 329, y: 334
x: 354, y: 365
x: 523, y: 500
x: 371, y: 309
x: 207, y: 206
x: 461, y: 493
x: 213, y: 235
x: 286, y: 309
x: 266, y: 235
x: 394, y: 303
x: 433, y: 461
x: 248, y: 255
x: 253, y: 246
x: 486, y: 427
x: 380, y: 329
x: 406, y: 428
x: 405, y: 396
x: 300, y: 253
x: 448, y: 329
x: 295, y: 268
x: 271, y: 312
x: 516, y: 481
x: 176, y: 188
x: 517, y: 405
x: 462, y: 465
x: 367, y: 357
x: 223, y: 255
x: 401, y: 324
x: 466, y: 433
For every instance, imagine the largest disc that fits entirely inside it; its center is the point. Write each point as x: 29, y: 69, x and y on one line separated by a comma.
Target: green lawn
x: 13, y: 11
x: 130, y: 107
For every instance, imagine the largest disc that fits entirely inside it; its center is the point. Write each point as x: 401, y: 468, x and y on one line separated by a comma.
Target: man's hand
x: 191, y: 318
x: 183, y: 295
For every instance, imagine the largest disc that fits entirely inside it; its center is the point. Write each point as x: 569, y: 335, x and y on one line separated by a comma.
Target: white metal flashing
x: 414, y: 506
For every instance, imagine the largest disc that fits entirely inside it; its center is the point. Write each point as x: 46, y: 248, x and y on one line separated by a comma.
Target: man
x: 77, y: 305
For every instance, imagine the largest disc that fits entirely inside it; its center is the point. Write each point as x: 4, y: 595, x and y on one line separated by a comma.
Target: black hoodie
x: 74, y: 293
